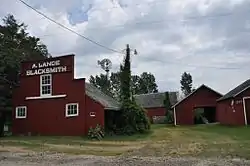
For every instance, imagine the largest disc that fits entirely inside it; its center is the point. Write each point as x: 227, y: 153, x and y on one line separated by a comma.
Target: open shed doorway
x: 204, y: 115
x: 113, y: 121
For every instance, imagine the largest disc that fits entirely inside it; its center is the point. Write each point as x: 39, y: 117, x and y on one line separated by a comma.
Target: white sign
x: 92, y: 114
x: 46, y: 68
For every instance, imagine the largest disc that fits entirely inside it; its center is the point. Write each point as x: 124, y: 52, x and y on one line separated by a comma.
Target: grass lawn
x: 205, y: 141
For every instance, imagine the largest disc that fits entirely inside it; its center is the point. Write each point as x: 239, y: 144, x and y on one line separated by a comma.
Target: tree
x: 147, y: 83
x: 169, y: 114
x: 101, y: 82
x: 125, y: 77
x: 135, y: 84
x: 115, y: 84
x: 15, y: 46
x: 186, y: 83
x: 134, y: 117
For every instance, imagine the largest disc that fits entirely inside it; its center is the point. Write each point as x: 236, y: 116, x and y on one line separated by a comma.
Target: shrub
x: 169, y: 119
x: 96, y: 133
x: 135, y: 119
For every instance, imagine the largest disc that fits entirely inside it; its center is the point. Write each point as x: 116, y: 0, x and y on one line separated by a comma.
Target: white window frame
x: 41, y: 85
x: 25, y: 110
x: 72, y: 115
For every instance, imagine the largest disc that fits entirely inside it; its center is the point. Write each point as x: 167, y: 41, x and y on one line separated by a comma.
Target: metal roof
x: 107, y: 101
x: 236, y: 91
x: 153, y: 100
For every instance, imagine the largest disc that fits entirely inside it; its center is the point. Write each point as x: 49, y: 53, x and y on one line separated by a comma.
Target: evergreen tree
x: 186, y: 83
x: 169, y: 113
x: 134, y: 117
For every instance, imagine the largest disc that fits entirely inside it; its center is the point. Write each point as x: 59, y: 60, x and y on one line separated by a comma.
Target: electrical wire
x: 120, y: 52
x: 63, y: 26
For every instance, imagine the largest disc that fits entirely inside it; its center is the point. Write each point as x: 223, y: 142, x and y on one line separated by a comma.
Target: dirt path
x: 41, y: 159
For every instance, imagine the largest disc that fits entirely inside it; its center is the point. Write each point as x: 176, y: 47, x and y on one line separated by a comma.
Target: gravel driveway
x: 38, y: 159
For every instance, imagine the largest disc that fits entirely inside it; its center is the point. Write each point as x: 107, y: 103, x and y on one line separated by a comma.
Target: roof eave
x: 112, y: 108
x: 230, y: 97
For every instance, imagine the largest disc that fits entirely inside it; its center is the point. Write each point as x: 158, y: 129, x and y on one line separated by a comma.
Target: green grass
x: 162, y: 140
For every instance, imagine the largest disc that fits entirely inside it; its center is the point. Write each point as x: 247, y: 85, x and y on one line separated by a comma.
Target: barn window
x: 72, y: 109
x: 21, y: 112
x: 46, y: 85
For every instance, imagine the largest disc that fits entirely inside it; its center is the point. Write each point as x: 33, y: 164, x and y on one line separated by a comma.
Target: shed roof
x: 97, y: 95
x: 236, y: 91
x: 202, y: 86
x: 153, y: 100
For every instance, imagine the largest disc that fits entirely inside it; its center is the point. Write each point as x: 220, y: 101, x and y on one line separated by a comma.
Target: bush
x: 96, y: 133
x: 135, y: 119
x: 169, y: 119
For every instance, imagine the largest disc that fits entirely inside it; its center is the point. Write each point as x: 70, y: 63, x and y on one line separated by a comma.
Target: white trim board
x: 45, y: 97
x: 244, y: 109
x: 174, y: 117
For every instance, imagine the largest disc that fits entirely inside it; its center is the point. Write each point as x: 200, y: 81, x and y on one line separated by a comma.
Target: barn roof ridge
x: 202, y: 85
x: 236, y: 91
x: 155, y: 93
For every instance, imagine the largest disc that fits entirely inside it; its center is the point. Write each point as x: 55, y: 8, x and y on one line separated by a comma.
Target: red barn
x: 154, y: 104
x: 203, y: 98
x: 50, y: 101
x: 234, y: 107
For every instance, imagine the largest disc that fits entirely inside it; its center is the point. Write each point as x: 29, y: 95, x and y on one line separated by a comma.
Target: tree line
x: 140, y: 84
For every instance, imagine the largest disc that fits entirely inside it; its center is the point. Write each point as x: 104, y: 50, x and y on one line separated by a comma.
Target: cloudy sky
x: 208, y: 38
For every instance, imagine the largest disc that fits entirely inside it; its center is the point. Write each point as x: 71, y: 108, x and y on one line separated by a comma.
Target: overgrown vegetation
x: 134, y: 117
x: 140, y: 84
x: 169, y: 116
x: 96, y: 133
x: 162, y: 140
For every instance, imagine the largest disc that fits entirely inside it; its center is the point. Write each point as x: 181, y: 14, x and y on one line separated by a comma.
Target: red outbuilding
x: 50, y: 101
x: 234, y: 107
x: 154, y: 104
x: 203, y: 98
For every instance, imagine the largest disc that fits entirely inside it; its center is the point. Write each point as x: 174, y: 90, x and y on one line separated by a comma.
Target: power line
x: 63, y: 26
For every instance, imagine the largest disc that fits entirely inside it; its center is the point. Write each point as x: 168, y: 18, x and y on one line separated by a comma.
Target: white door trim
x: 174, y: 117
x: 244, y: 108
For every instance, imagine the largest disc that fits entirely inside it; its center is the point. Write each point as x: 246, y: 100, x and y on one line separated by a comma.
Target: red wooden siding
x: 48, y: 116
x: 229, y: 115
x: 159, y: 111
x: 97, y: 109
x: 201, y: 98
